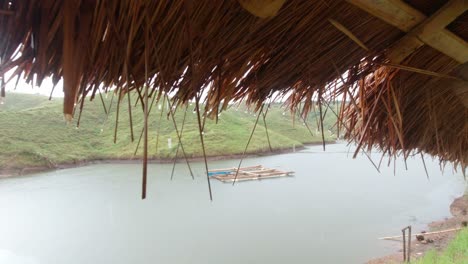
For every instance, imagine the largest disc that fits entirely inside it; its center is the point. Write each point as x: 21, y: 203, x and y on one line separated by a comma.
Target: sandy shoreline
x: 13, y: 172
x: 459, y: 211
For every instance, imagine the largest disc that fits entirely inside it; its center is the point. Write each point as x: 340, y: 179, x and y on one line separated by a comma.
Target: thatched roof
x: 401, y: 65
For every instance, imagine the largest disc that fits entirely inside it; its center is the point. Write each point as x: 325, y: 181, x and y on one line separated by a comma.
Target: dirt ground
x: 459, y: 210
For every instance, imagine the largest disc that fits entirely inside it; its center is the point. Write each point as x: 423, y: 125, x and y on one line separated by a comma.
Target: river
x: 332, y: 211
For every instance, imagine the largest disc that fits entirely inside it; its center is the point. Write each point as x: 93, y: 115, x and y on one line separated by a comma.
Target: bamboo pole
x: 200, y: 132
x: 116, y: 127
x: 160, y: 119
x: 409, y: 243
x: 178, y: 146
x: 264, y: 114
x: 130, y: 115
x: 404, y: 243
x: 102, y: 101
x: 247, y: 145
x: 143, y: 129
x: 424, y: 234
x: 179, y: 137
x: 145, y: 137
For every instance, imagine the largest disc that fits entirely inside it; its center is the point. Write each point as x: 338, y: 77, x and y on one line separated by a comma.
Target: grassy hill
x: 33, y: 132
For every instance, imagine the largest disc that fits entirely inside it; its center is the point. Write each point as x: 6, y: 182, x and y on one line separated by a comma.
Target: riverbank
x: 14, y: 172
x: 438, y: 242
x: 34, y: 136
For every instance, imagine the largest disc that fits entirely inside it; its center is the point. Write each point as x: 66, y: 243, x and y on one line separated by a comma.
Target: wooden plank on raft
x: 278, y: 173
x: 220, y: 170
x: 421, y: 30
x: 262, y: 171
x: 250, y: 173
x: 251, y: 167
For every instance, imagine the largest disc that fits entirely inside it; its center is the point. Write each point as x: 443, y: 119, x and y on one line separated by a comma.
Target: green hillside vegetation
x: 33, y: 132
x: 456, y: 252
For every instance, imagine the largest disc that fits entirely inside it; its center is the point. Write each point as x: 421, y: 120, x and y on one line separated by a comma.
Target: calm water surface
x: 332, y: 211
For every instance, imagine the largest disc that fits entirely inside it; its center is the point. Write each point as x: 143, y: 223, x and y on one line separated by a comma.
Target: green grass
x: 455, y: 253
x: 34, y: 133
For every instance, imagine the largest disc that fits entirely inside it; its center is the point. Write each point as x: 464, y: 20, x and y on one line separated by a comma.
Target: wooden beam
x: 449, y: 44
x: 422, y: 30
x: 394, y: 12
x: 429, y: 32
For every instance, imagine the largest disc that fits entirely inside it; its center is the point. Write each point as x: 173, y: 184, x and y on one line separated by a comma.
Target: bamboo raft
x: 247, y: 173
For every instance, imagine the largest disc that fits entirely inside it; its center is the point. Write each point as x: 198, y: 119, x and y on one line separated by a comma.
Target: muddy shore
x: 459, y: 211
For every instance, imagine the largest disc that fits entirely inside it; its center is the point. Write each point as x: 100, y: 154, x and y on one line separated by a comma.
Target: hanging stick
x: 321, y: 119
x: 370, y: 159
x: 145, y: 142
x: 145, y: 146
x: 197, y: 97
x: 246, y: 146
x: 142, y: 131
x: 130, y: 114
x: 197, y: 103
x: 81, y: 108
x: 425, y: 168
x: 51, y: 92
x: 307, y: 125
x: 117, y: 115
x: 110, y: 106
x: 102, y: 101
x: 138, y: 99
x: 17, y: 81
x: 179, y: 137
x: 2, y: 86
x: 204, y: 118
x: 264, y: 114
x: 342, y: 123
x: 178, y: 147
x: 159, y: 121
x: 141, y: 97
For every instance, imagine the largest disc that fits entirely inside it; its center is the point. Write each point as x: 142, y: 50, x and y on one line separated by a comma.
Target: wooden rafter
x: 394, y: 12
x: 421, y: 30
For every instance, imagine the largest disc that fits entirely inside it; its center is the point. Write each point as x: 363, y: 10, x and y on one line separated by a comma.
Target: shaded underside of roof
x: 218, y: 48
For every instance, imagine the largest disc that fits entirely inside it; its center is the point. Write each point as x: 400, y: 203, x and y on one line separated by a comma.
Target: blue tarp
x: 219, y: 173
